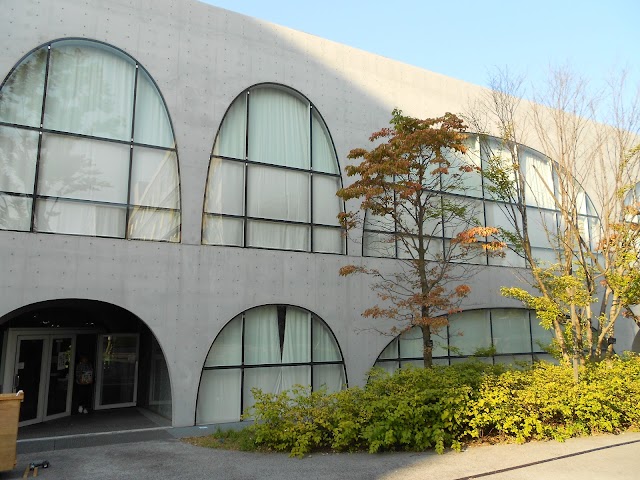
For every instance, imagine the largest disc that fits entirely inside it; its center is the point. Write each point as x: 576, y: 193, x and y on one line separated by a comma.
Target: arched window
x: 380, y: 238
x: 510, y: 334
x: 273, y: 176
x: 86, y: 146
x: 273, y: 348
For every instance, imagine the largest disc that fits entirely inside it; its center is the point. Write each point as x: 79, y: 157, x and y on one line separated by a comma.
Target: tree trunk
x: 427, y: 346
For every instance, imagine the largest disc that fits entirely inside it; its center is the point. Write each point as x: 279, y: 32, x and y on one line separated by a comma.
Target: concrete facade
x: 201, y: 58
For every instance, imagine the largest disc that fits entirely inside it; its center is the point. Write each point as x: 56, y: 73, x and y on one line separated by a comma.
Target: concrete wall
x: 202, y: 57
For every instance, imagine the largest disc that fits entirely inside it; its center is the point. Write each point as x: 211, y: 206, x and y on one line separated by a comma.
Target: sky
x: 469, y: 39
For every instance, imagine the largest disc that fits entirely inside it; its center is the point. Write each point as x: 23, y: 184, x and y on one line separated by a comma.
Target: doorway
x: 43, y: 369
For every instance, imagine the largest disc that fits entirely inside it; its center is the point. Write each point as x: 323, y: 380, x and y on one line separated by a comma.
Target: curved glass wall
x: 511, y: 334
x: 379, y: 239
x: 272, y: 348
x: 86, y: 146
x: 273, y: 176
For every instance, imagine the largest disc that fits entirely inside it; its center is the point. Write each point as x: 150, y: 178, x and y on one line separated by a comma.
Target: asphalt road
x: 607, y: 457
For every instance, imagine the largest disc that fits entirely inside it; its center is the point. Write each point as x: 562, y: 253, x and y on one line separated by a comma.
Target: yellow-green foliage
x: 442, y: 407
x: 545, y: 402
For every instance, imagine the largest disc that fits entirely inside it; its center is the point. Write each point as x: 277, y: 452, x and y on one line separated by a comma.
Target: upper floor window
x: 380, y: 237
x: 86, y: 146
x: 273, y: 176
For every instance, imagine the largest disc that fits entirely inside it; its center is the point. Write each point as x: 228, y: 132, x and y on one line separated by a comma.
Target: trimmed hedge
x: 443, y: 407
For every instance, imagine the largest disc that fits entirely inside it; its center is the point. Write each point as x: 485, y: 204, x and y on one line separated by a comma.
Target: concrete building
x: 168, y: 209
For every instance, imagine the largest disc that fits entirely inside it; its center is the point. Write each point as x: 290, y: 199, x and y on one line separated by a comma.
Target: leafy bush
x: 442, y: 407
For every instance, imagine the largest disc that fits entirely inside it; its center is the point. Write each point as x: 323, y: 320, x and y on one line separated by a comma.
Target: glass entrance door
x: 28, y: 377
x: 117, y: 373
x: 44, y: 371
x: 60, y: 377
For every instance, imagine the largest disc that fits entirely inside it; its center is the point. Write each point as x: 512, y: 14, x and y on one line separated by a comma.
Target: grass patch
x: 243, y: 440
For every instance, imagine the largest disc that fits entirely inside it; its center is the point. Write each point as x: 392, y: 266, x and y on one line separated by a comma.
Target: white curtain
x: 411, y: 343
x: 219, y: 396
x: 154, y: 178
x: 147, y: 223
x: 269, y: 380
x: 83, y: 169
x: 89, y: 90
x: 330, y: 377
x: 222, y: 230
x: 22, y: 93
x: 328, y: 240
x: 152, y: 126
x: 325, y: 348
x: 18, y: 153
x: 326, y: 205
x: 297, y: 336
x: 79, y: 218
x: 225, y: 187
x: 510, y: 330
x: 261, y: 337
x: 277, y: 235
x: 227, y: 348
x: 323, y: 154
x: 15, y: 212
x: 469, y: 331
x: 277, y: 194
x: 539, y: 179
x: 231, y: 139
x: 390, y: 351
x: 278, y: 128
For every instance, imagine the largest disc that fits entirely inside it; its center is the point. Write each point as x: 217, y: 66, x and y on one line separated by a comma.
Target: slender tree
x: 412, y: 187
x: 593, y: 277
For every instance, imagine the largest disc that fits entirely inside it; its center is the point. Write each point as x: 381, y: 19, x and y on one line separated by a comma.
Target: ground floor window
x: 505, y: 335
x: 273, y: 348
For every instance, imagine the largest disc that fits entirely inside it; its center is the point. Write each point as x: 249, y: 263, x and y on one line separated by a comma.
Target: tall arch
x: 273, y: 176
x: 272, y: 347
x: 87, y: 146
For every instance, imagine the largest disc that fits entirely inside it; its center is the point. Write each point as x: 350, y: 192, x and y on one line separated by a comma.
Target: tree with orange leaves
x: 412, y: 189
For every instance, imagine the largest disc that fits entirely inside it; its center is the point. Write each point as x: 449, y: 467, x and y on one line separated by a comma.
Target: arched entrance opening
x: 74, y: 356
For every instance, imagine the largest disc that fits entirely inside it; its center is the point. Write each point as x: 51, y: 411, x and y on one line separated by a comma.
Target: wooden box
x: 9, y: 415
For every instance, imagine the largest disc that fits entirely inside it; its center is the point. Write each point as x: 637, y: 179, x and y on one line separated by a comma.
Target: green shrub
x: 442, y: 407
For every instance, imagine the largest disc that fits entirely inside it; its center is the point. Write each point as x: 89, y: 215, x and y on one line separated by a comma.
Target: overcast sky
x: 467, y: 39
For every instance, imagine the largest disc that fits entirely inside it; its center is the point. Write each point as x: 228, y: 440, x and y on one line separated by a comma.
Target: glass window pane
x: 277, y: 193
x: 328, y: 240
x: 512, y: 359
x: 510, y: 259
x: 154, y: 224
x: 292, y: 376
x: 389, y: 367
x: 325, y: 348
x: 541, y: 338
x: 225, y: 188
x: 411, y: 343
x: 15, y: 212
x: 538, y: 177
x: 278, y: 128
x: 18, y: 154
x: 542, y: 227
x: 152, y: 126
x: 469, y: 331
x: 231, y: 140
x: 473, y: 211
x: 277, y: 235
x: 297, y: 336
x: 268, y: 380
x: 511, y: 330
x: 154, y: 178
x: 89, y: 90
x: 323, y: 154
x: 390, y: 351
x: 83, y: 169
x: 261, y: 336
x: 227, y: 348
x: 326, y: 205
x: 79, y: 218
x: 219, y: 396
x: 464, y: 173
x: 22, y: 93
x: 330, y: 377
x: 222, y: 231
x: 378, y: 245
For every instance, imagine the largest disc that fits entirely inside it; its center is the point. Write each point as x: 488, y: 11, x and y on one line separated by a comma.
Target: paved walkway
x: 602, y: 457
